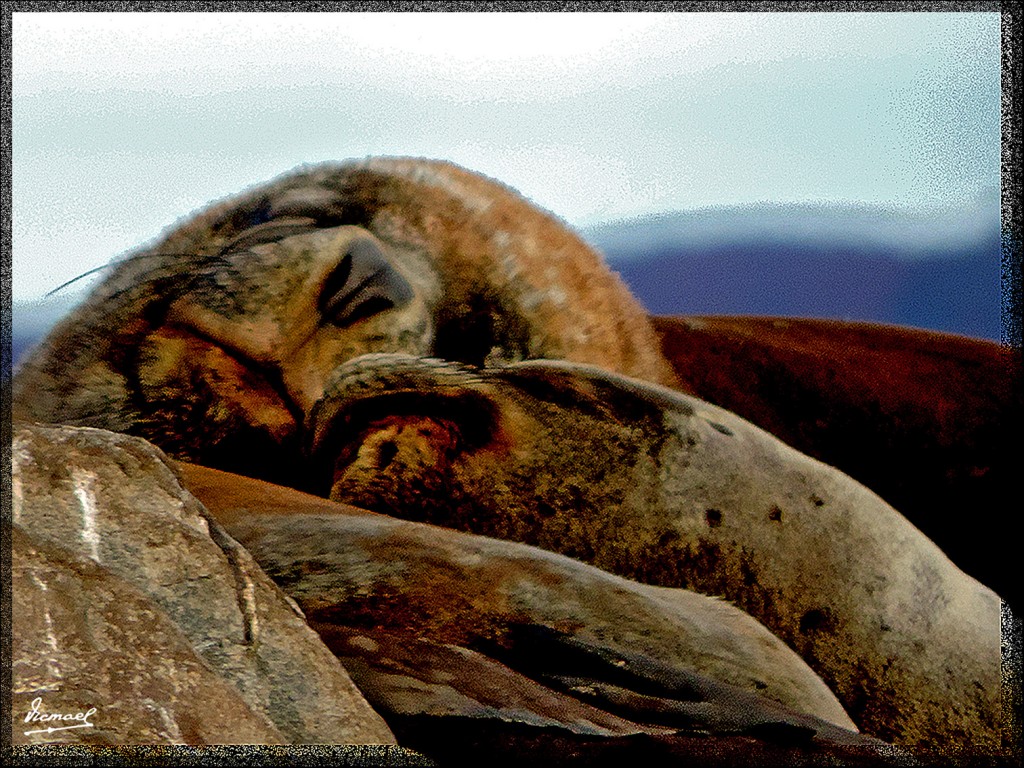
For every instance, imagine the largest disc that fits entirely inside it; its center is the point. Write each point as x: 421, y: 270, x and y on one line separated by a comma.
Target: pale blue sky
x: 125, y: 122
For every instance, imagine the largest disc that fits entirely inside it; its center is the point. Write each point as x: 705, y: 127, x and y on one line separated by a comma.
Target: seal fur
x: 215, y: 341
x: 670, y: 490
x: 349, y: 567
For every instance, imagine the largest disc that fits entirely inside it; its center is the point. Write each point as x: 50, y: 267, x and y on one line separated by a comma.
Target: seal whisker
x: 130, y: 258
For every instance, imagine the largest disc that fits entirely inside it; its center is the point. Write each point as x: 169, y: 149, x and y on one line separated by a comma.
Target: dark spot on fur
x: 714, y: 517
x: 625, y: 406
x: 674, y: 562
x: 554, y: 388
x: 721, y: 428
x: 747, y: 571
x: 817, y: 500
x: 815, y: 620
x: 544, y: 509
x: 668, y: 538
x: 386, y: 454
x: 484, y: 321
x: 775, y: 514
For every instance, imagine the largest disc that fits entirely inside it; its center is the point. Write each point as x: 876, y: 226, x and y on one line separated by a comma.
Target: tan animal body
x: 667, y: 489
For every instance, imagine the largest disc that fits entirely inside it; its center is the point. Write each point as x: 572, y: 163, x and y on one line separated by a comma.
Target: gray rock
x: 88, y: 644
x: 126, y: 587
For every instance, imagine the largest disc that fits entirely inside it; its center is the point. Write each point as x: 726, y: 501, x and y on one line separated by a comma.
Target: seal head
x: 215, y: 342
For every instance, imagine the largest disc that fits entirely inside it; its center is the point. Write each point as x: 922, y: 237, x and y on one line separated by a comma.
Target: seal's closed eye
x: 323, y: 205
x: 250, y: 306
x: 269, y: 232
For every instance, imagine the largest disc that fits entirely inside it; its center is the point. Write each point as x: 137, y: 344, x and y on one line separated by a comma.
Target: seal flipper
x: 647, y: 691
x: 466, y: 707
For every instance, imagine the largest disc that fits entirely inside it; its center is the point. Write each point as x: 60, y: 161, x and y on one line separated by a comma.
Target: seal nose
x: 363, y: 284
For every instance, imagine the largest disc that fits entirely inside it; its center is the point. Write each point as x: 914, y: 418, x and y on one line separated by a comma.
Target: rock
x: 223, y: 755
x: 129, y: 598
x: 88, y: 642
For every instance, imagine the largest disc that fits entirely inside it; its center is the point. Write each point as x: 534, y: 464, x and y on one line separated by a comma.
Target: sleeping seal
x: 215, y: 341
x: 667, y: 489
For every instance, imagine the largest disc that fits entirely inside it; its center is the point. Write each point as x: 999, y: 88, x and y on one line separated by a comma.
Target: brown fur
x: 350, y: 568
x: 217, y: 355
x: 222, y: 356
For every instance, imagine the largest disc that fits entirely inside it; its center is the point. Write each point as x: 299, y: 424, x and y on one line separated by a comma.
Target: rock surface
x: 88, y: 642
x: 128, y: 598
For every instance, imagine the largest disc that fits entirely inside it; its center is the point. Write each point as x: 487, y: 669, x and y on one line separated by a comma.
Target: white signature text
x: 77, y: 719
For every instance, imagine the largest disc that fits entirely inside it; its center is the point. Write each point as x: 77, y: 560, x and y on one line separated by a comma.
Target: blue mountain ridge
x: 936, y: 272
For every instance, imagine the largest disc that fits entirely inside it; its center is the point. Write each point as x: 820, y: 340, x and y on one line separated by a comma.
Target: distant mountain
x: 939, y: 271
x: 32, y: 320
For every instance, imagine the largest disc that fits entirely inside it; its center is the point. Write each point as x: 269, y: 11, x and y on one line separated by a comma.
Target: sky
x: 124, y: 123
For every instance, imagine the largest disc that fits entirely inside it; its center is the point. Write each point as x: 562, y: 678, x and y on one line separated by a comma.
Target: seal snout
x: 363, y: 284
